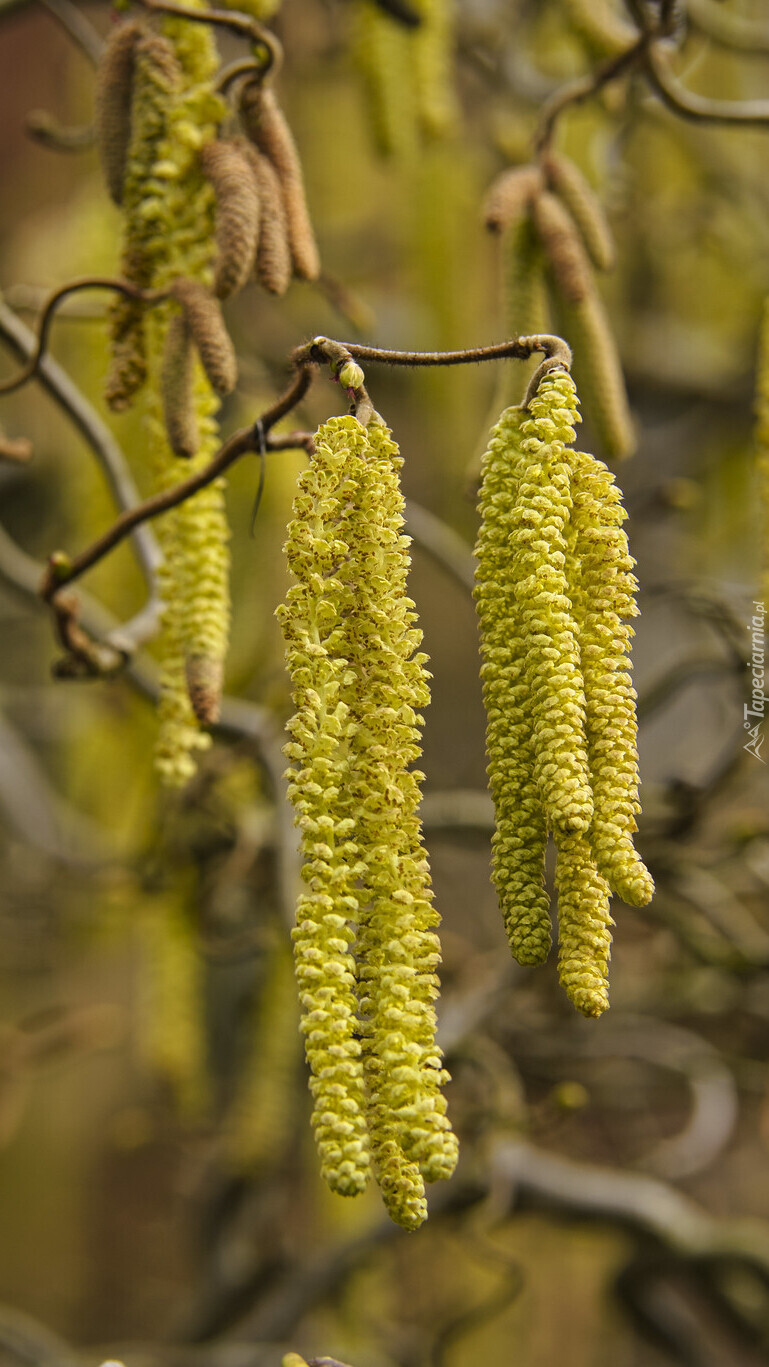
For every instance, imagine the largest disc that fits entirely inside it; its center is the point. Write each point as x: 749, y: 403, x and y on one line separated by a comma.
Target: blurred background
x: 158, y: 1182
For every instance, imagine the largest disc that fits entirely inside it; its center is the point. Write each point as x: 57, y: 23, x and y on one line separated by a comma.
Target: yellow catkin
x: 176, y: 389
x: 114, y: 91
x: 548, y: 629
x: 584, y: 925
x: 520, y: 838
x: 382, y: 51
x: 313, y: 624
x: 265, y: 124
x: 582, y: 203
x: 169, y: 229
x: 257, y: 1129
x: 157, y: 82
x: 399, y: 948
x: 237, y: 214
x: 365, y: 944
x: 172, y: 1036
x: 273, y: 264
x: 598, y: 373
x: 607, y: 590
x: 432, y: 56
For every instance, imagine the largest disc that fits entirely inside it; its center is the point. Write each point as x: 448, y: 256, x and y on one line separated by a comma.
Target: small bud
x: 351, y: 376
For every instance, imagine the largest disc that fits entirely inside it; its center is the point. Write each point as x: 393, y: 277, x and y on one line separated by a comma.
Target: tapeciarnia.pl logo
x: 755, y: 710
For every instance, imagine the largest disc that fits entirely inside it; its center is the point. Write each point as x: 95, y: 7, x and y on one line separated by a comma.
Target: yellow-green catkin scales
x: 520, y: 838
x: 399, y: 949
x: 584, y: 925
x: 169, y: 238
x: 313, y: 624
x: 548, y: 629
x: 607, y: 590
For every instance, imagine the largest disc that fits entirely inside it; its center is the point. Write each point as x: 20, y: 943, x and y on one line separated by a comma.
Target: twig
x: 91, y: 282
x: 94, y: 430
x: 77, y: 26
x: 581, y: 89
x: 234, y: 20
x: 729, y: 29
x: 700, y: 108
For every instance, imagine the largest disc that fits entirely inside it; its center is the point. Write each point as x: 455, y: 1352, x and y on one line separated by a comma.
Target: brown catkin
x: 203, y: 317
x: 266, y: 126
x: 581, y: 201
x: 114, y: 89
x: 598, y: 373
x: 510, y: 195
x: 273, y: 253
x: 205, y: 678
x: 176, y: 389
x: 237, y: 214
x: 564, y: 253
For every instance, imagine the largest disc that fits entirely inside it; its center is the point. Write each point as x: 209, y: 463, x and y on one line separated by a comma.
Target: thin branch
x: 337, y: 354
x: 728, y: 29
x: 91, y: 282
x: 581, y: 89
x: 82, y: 33
x: 91, y: 427
x: 235, y: 21
x: 700, y: 108
x: 64, y: 570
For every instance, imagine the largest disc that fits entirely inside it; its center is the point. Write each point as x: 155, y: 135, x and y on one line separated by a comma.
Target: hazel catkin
x: 237, y: 214
x: 266, y: 126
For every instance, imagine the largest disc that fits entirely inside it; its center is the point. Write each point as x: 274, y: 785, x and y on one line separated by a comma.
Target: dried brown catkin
x: 564, y: 253
x: 203, y: 317
x: 273, y: 253
x: 568, y: 182
x: 237, y: 214
x: 266, y: 126
x: 176, y: 389
x: 114, y: 90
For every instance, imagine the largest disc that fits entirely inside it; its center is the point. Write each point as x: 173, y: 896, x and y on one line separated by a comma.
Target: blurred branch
x: 731, y: 30
x: 75, y: 24
x: 91, y: 426
x: 447, y: 547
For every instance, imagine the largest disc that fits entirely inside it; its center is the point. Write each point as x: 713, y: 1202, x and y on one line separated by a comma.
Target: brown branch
x: 64, y: 570
x: 235, y: 21
x: 90, y: 282
x: 581, y: 89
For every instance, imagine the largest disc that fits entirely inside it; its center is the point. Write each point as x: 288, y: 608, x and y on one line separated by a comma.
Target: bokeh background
x: 159, y: 1196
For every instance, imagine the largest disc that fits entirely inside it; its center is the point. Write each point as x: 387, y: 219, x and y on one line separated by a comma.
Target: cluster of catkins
x: 202, y: 213
x: 365, y: 945
x: 555, y: 595
x: 554, y: 235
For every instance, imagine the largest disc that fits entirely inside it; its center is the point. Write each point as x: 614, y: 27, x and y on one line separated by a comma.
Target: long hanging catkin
x: 168, y: 207
x: 365, y: 944
x: 555, y: 593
